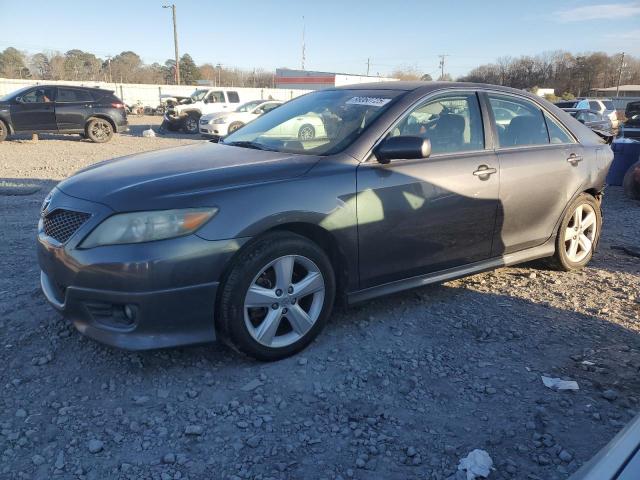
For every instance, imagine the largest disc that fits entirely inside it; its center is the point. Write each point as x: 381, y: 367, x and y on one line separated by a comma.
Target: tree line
x: 126, y: 67
x: 568, y: 74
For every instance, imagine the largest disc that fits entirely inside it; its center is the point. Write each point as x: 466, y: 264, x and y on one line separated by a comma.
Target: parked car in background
x: 250, y: 240
x: 603, y: 106
x: 592, y: 119
x: 216, y: 125
x: 631, y: 126
x: 93, y: 113
x: 186, y: 115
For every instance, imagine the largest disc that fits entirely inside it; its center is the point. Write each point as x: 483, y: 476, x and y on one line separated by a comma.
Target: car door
x: 73, y: 107
x: 426, y: 215
x: 541, y: 168
x: 34, y: 110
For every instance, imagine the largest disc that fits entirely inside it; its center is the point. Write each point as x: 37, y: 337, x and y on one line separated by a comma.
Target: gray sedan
x: 254, y: 239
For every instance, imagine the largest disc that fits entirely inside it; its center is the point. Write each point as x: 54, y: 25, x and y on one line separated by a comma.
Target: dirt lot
x: 398, y: 388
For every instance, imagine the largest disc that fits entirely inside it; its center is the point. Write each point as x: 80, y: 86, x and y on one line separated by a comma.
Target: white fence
x: 149, y: 95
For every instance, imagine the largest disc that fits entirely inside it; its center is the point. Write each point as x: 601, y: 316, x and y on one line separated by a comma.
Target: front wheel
x: 235, y: 126
x: 276, y: 297
x: 578, y: 234
x: 191, y: 123
x: 307, y: 132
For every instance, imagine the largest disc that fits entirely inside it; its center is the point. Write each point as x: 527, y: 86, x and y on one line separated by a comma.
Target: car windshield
x: 319, y: 123
x: 198, y: 95
x: 247, y: 107
x: 9, y: 96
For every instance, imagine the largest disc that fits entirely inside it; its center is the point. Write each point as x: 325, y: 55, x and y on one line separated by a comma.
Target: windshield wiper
x: 248, y: 144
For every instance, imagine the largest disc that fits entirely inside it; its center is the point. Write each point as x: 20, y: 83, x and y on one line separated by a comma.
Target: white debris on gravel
x: 559, y: 384
x: 477, y: 464
x: 149, y: 133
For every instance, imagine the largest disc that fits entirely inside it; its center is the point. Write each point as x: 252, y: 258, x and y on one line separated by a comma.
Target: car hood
x: 181, y: 177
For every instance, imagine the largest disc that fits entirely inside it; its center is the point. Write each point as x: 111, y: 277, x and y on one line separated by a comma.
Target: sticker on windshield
x: 369, y: 101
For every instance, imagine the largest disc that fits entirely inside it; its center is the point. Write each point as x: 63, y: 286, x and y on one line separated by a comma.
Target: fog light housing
x: 130, y: 312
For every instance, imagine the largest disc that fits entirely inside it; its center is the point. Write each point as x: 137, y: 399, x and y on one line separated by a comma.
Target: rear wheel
x: 191, y: 123
x: 277, y: 297
x: 4, y: 131
x: 99, y: 130
x: 578, y: 234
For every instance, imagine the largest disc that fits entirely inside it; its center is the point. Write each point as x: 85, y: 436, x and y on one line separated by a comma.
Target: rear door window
x: 594, y: 106
x: 73, y: 95
x: 233, y: 97
x: 557, y: 133
x: 522, y: 126
x: 608, y: 104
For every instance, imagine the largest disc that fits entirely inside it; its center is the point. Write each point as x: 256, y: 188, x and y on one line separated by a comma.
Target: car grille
x: 61, y: 224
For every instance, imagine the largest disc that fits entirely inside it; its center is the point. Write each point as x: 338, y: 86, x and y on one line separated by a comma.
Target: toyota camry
x: 252, y: 240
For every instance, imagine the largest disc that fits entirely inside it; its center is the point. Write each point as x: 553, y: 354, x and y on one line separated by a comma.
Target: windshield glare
x: 319, y: 123
x: 9, y: 96
x: 198, y: 95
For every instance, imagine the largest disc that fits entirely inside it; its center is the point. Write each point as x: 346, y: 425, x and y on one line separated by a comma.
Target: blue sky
x: 340, y: 35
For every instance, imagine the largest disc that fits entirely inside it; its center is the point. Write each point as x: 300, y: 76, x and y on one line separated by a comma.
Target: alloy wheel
x: 100, y: 130
x: 306, y: 133
x: 191, y: 124
x: 580, y: 233
x: 284, y: 301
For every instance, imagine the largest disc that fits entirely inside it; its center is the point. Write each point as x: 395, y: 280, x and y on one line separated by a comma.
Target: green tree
x: 189, y: 72
x: 12, y: 64
x: 81, y: 65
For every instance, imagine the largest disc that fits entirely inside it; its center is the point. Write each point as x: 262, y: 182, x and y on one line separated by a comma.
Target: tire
x: 307, y: 132
x: 190, y: 125
x: 235, y: 126
x: 578, y: 234
x: 243, y: 327
x: 4, y: 131
x: 99, y: 130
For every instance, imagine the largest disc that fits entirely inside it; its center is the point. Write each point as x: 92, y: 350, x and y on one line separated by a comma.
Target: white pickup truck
x: 203, y: 101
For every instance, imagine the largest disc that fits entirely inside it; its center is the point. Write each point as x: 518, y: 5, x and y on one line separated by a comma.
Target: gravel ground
x: 397, y: 388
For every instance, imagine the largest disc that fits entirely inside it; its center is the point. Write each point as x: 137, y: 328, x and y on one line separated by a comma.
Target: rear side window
x: 594, y: 106
x: 73, y: 95
x: 608, y: 104
x: 557, y: 133
x: 233, y: 97
x: 518, y: 121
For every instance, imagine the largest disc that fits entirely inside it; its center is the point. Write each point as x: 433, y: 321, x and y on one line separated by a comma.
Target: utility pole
x: 368, y: 65
x: 442, y: 59
x: 219, y: 67
x: 109, y: 61
x: 303, y: 44
x: 175, y: 40
x: 620, y: 75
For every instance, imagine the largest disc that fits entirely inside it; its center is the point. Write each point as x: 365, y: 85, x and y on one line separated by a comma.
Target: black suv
x: 92, y: 112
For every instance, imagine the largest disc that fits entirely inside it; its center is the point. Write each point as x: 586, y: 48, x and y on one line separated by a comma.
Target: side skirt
x: 547, y: 249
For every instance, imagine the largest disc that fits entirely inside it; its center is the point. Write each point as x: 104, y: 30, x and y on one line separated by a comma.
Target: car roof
x: 93, y: 89
x: 426, y: 87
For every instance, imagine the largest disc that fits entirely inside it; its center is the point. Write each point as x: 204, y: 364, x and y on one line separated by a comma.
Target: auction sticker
x: 369, y: 101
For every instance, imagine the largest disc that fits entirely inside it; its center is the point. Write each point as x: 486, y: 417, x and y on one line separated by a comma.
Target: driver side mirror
x: 403, y: 147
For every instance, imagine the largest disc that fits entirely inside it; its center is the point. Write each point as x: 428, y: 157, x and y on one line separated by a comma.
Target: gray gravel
x: 398, y: 388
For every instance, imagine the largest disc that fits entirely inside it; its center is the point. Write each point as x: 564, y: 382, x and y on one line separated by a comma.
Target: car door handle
x: 574, y: 159
x: 484, y: 171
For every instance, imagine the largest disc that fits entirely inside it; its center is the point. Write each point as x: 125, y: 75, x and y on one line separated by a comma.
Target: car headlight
x: 219, y: 120
x: 140, y: 227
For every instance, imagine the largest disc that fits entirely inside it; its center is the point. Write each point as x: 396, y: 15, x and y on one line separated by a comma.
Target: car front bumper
x: 213, y: 130
x: 137, y: 296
